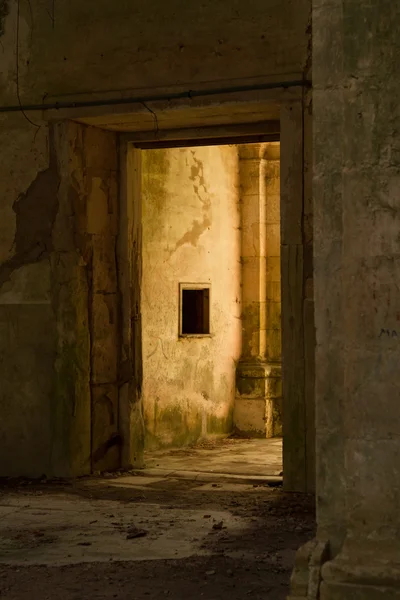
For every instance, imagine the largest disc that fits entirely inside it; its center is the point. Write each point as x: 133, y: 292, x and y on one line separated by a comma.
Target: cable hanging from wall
x: 17, y: 65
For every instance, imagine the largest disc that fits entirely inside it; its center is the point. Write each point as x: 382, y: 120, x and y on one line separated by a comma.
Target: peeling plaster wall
x: 190, y: 235
x: 85, y: 302
x: 28, y: 336
x: 54, y: 267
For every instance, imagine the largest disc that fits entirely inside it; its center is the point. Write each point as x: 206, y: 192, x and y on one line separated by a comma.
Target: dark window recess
x: 195, y: 311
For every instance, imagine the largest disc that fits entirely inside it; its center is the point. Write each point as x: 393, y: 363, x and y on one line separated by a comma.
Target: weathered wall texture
x: 85, y: 301
x: 298, y: 337
x: 190, y: 235
x: 49, y: 276
x: 154, y: 44
x: 258, y: 402
x: 26, y: 358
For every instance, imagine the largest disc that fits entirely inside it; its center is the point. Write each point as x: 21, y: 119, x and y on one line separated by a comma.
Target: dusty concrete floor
x: 81, y: 539
x: 241, y: 458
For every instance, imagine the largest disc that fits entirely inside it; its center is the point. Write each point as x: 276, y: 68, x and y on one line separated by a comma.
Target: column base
x: 258, y: 402
x: 363, y: 570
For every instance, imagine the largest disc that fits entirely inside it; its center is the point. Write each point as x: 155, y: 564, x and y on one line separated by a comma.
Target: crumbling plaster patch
x: 198, y: 227
x: 35, y: 211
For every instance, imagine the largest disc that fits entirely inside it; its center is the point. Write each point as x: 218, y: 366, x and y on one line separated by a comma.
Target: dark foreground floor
x: 231, y: 541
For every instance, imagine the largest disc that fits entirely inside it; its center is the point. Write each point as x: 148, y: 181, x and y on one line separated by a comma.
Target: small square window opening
x: 195, y: 310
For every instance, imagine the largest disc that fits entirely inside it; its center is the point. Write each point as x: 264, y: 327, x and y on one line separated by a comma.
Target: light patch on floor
x: 64, y: 529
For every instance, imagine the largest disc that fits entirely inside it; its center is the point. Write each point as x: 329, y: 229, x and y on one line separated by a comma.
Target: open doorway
x: 211, y: 307
x: 110, y: 431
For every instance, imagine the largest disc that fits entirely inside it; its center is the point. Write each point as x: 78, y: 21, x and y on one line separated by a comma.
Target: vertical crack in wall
x: 308, y: 61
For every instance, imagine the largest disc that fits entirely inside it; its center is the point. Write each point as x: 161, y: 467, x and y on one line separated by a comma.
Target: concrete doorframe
x: 298, y: 335
x: 296, y: 259
x: 297, y: 302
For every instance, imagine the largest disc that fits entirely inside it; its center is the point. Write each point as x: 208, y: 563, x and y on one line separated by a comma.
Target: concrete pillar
x: 86, y: 301
x: 258, y: 389
x: 356, y: 554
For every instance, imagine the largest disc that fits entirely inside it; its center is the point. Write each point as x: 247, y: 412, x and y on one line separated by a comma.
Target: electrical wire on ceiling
x: 184, y: 95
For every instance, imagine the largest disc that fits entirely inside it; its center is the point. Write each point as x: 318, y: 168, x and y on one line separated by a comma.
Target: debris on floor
x: 148, y: 538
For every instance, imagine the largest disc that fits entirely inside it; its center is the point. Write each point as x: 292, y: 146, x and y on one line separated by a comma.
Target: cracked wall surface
x: 86, y: 301
x: 51, y: 288
x: 28, y: 336
x: 190, y: 235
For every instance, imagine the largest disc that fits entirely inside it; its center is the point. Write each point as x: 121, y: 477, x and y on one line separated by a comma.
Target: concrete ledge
x: 275, y: 480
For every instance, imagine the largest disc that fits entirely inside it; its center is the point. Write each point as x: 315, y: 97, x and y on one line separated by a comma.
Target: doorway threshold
x: 235, y: 460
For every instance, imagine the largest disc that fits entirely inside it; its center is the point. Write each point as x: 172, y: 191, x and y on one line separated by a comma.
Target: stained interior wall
x: 190, y: 235
x: 85, y: 301
x: 58, y: 351
x: 258, y: 405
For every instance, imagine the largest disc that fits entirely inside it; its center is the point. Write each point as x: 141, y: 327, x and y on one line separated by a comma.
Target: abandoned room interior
x: 199, y: 299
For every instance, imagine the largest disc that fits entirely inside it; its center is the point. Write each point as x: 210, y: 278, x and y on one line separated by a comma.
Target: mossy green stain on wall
x: 155, y: 168
x: 220, y: 425
x: 173, y: 426
x: 71, y: 403
x: 179, y: 426
x: 68, y: 393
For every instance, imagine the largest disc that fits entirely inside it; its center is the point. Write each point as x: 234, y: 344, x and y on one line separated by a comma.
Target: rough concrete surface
x: 153, y: 537
x: 356, y: 120
x: 154, y: 45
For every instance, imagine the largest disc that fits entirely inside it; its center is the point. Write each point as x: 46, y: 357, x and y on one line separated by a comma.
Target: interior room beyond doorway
x: 211, y: 307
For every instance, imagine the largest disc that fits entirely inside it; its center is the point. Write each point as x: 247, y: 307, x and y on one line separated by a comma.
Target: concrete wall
x: 190, y: 235
x: 356, y: 190
x: 52, y: 283
x: 26, y: 357
x: 75, y: 47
